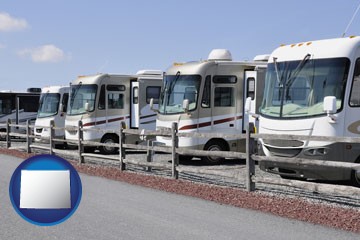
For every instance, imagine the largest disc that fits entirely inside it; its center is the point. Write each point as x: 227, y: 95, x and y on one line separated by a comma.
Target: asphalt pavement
x: 116, y: 210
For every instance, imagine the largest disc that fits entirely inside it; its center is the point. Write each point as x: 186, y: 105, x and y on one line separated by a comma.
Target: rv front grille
x: 284, y: 152
x: 283, y: 143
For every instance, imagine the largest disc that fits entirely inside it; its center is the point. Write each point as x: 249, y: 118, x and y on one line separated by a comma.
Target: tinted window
x: 115, y: 101
x: 29, y: 103
x: 102, y: 98
x: 205, y: 102
x: 225, y: 79
x: 224, y: 97
x: 115, y: 88
x: 355, y: 89
x: 153, y: 92
x: 65, y: 101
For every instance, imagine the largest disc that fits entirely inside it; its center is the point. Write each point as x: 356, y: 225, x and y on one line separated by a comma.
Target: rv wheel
x: 214, y: 145
x: 355, y: 176
x: 109, y: 139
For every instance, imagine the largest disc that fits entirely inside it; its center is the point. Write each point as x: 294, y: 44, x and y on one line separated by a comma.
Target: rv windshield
x: 296, y: 89
x: 79, y: 95
x: 49, y: 105
x: 177, y: 88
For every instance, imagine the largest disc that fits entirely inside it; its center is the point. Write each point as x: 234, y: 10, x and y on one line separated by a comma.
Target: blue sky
x: 51, y: 42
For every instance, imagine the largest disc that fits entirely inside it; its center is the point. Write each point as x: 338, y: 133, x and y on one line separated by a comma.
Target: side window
x: 206, y: 97
x: 102, y: 98
x: 153, y: 92
x: 224, y: 97
x: 225, y: 79
x: 64, y: 101
x: 115, y: 101
x: 29, y: 103
x: 250, y: 88
x: 5, y: 106
x: 115, y: 96
x: 135, y: 95
x: 355, y: 88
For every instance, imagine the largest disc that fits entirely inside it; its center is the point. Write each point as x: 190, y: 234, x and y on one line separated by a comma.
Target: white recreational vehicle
x: 18, y: 107
x: 105, y: 100
x: 52, y: 106
x: 208, y: 96
x: 313, y: 88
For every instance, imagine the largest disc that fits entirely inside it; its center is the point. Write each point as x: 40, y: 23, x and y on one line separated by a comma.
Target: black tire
x: 89, y: 149
x: 214, y: 145
x: 109, y: 139
x: 185, y: 158
x: 61, y: 145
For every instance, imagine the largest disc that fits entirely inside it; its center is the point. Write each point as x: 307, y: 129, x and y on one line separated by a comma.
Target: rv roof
x: 327, y: 48
x: 54, y: 89
x: 149, y: 72
x: 262, y: 58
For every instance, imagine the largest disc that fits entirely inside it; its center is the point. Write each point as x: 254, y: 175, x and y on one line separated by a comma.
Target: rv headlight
x: 316, y: 151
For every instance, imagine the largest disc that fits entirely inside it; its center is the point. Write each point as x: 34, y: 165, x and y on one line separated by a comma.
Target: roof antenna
x: 101, y: 68
x: 351, y: 20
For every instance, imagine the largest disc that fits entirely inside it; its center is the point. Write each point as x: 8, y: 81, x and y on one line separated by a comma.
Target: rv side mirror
x: 185, y: 105
x: 87, y: 107
x: 247, y: 105
x: 330, y: 105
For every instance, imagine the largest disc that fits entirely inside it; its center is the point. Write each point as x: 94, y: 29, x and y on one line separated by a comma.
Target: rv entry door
x: 134, y: 106
x: 249, y: 92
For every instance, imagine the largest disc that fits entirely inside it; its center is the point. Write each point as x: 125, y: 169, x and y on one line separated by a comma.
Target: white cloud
x: 9, y: 23
x: 45, y: 53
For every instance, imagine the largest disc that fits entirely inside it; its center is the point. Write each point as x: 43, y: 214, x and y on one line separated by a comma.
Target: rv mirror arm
x: 152, y: 106
x: 256, y: 116
x: 61, y: 108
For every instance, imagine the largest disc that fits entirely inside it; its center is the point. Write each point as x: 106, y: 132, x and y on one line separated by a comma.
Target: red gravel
x: 331, y: 216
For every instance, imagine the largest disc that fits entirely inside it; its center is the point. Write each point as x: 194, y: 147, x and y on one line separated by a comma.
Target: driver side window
x: 355, y: 88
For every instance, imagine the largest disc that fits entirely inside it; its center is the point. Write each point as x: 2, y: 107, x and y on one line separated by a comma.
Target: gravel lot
x: 334, y: 211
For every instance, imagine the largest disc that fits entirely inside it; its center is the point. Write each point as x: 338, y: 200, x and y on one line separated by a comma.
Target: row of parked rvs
x: 310, y: 88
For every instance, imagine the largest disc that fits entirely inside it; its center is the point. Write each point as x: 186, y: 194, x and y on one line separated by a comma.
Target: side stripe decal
x: 104, y: 121
x: 205, y: 124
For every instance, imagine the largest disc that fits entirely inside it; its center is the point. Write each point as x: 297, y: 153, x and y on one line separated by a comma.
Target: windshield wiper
x: 276, y: 70
x: 299, y: 67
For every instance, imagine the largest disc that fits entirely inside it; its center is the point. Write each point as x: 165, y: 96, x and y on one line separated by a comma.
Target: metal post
x: 28, y: 139
x: 80, y: 144
x: 121, y: 147
x: 8, y: 129
x: 174, y: 145
x: 51, y: 139
x: 149, y: 154
x: 250, y: 163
